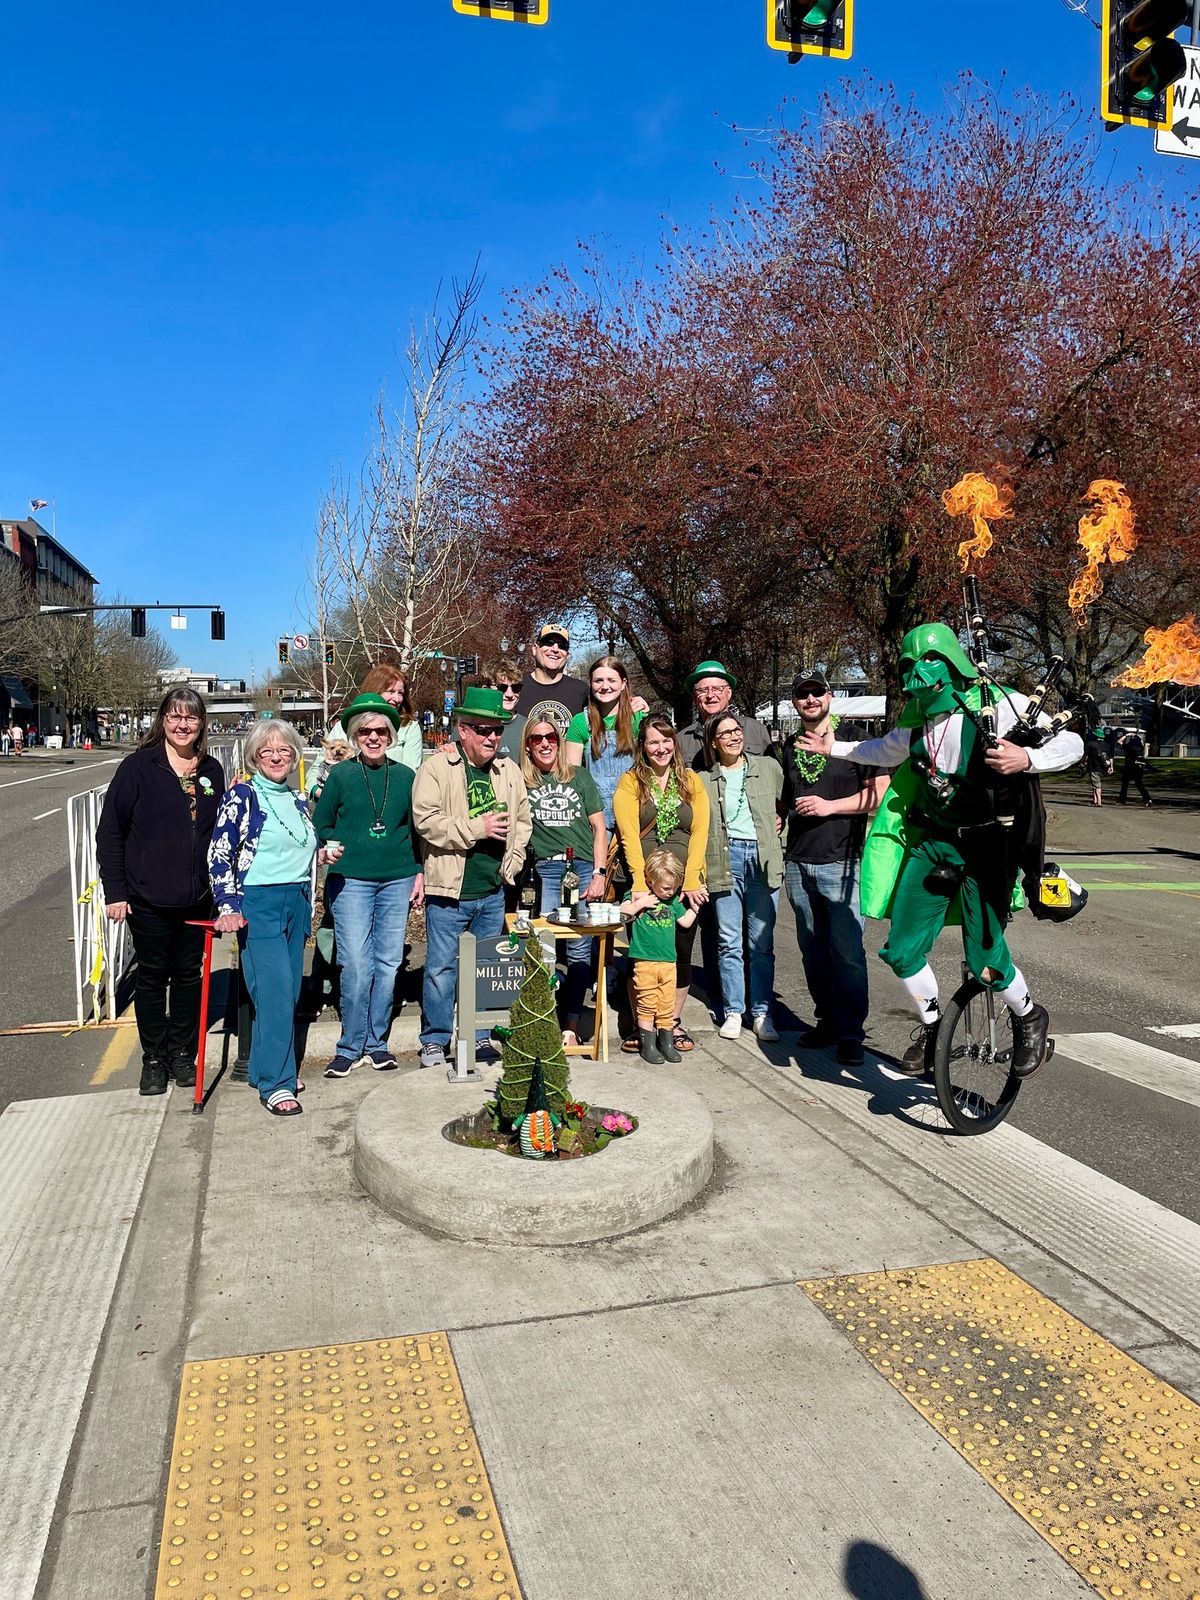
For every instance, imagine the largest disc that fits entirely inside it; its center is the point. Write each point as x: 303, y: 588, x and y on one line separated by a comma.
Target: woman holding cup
x: 364, y: 820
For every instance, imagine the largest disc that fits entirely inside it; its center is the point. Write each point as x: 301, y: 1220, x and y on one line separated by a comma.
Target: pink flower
x: 616, y: 1122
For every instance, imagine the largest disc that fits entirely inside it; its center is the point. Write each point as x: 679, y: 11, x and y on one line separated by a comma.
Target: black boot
x: 666, y: 1046
x: 154, y: 1078
x: 183, y: 1070
x: 1029, y: 1041
x: 917, y: 1060
x: 649, y: 1046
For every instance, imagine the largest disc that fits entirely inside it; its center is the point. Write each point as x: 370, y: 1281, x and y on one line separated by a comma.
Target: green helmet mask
x: 933, y: 665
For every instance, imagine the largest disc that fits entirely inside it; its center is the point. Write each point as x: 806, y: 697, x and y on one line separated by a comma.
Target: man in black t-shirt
x: 826, y: 802
x: 546, y: 685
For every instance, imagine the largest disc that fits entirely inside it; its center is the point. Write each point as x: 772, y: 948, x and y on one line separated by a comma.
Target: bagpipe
x: 1051, y: 893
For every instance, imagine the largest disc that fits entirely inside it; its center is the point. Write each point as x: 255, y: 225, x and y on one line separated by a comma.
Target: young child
x: 652, y: 917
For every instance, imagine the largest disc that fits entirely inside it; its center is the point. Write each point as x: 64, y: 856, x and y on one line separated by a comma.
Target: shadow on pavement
x: 873, y: 1573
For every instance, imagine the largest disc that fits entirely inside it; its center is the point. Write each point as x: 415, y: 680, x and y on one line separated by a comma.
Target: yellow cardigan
x: 626, y: 814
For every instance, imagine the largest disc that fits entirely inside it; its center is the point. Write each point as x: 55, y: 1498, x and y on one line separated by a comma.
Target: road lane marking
x: 116, y: 1056
x: 14, y: 783
x: 42, y: 815
x: 1137, y: 1063
x: 1182, y: 1030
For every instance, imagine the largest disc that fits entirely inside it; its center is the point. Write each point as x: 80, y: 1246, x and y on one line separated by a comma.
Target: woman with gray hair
x: 152, y: 845
x: 260, y: 865
x: 364, y: 819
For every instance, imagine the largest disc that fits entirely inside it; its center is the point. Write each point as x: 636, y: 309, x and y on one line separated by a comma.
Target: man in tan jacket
x: 470, y: 812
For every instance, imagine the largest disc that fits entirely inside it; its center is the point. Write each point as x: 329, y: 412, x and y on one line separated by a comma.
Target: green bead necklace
x: 810, y: 764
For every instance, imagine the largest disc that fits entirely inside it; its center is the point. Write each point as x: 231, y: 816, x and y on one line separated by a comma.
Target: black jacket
x: 149, y: 848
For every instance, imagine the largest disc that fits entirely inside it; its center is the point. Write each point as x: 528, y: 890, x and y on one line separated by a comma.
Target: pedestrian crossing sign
x: 505, y: 10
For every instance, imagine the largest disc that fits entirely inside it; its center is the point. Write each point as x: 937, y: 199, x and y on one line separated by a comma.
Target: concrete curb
x: 402, y: 1159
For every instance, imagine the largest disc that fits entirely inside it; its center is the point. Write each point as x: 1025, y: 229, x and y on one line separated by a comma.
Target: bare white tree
x: 396, y: 545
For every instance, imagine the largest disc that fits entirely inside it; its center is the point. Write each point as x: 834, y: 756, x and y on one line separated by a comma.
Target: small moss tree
x: 532, y: 1034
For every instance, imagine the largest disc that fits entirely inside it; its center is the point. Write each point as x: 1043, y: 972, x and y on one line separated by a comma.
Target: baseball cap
x: 553, y: 630
x: 809, y: 675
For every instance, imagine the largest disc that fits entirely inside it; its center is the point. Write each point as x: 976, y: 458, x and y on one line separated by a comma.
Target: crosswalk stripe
x: 1143, y: 1064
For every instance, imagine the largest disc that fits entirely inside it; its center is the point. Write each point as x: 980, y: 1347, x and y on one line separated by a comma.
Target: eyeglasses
x: 542, y: 738
x: 731, y: 733
x: 713, y: 688
x: 280, y: 751
x: 508, y: 688
x: 484, y: 730
x: 183, y: 722
x: 371, y: 733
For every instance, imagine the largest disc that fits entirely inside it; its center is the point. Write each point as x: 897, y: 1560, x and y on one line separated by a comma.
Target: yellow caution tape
x: 89, y: 897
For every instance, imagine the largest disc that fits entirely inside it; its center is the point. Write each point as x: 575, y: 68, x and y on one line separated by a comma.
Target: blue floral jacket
x: 238, y: 828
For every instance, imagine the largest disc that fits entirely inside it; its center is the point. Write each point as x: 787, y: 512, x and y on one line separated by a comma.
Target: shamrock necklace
x: 666, y: 807
x: 809, y: 763
x: 378, y: 828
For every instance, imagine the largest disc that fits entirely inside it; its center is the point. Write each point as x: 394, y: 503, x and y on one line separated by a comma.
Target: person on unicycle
x: 958, y: 825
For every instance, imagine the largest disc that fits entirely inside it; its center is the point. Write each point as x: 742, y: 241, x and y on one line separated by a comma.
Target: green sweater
x: 346, y: 812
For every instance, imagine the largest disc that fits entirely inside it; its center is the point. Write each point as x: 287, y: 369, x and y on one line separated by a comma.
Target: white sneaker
x: 731, y: 1028
x: 764, y: 1029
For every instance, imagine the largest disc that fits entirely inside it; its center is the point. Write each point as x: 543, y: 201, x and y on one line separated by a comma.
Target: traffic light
x: 283, y: 652
x: 505, y: 10
x: 218, y: 625
x: 137, y: 622
x: 811, y: 27
x: 1140, y: 60
x: 331, y: 655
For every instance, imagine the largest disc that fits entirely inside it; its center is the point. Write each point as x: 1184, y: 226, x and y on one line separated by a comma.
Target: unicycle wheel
x: 972, y: 1070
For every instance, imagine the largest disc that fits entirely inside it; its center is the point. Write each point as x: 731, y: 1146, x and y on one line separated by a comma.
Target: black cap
x: 809, y: 675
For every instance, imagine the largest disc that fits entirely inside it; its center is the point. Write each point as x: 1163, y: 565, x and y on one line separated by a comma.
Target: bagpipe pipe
x: 1019, y: 808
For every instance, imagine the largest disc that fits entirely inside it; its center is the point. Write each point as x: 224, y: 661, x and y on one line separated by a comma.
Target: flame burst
x: 981, y: 498
x: 1172, y: 656
x: 1106, y: 533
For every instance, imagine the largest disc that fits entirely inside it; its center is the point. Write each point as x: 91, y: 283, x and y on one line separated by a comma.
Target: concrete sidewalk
x: 665, y: 1414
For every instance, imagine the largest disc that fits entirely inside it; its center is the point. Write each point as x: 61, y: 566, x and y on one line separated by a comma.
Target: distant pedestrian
x: 1097, y: 762
x: 1133, y: 766
x: 5, y: 740
x: 18, y: 738
x: 152, y: 844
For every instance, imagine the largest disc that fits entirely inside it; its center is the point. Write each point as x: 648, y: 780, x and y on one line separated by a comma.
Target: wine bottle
x: 569, y: 899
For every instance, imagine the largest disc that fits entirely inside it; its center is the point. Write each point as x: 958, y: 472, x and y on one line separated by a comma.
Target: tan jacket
x: 445, y: 833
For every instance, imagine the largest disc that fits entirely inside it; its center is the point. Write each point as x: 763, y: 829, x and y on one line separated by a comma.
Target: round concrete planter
x: 403, y: 1160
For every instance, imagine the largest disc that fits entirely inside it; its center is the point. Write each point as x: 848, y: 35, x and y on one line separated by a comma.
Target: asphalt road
x: 1127, y: 965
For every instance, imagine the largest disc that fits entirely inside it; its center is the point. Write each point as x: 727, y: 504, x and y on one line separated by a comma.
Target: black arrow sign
x: 1185, y: 130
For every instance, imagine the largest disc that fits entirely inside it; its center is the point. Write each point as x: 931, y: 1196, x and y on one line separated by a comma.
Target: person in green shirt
x: 654, y: 914
x: 364, y: 819
x: 567, y: 814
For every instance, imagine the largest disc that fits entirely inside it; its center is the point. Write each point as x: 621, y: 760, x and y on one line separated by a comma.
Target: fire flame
x: 1172, y: 656
x: 1106, y: 533
x: 979, y: 496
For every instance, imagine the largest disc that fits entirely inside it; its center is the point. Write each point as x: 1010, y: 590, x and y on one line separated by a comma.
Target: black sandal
x: 681, y: 1038
x: 284, y: 1108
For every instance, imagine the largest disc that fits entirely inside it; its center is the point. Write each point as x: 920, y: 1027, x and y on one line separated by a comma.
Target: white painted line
x: 1138, y: 1063
x: 83, y: 772
x: 42, y: 815
x: 71, y: 1176
x: 1182, y: 1030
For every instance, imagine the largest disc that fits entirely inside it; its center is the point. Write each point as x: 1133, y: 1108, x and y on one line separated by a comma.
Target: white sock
x: 1016, y: 996
x: 923, y: 987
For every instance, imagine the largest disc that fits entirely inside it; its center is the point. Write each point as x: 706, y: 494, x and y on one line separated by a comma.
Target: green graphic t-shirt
x: 481, y: 875
x: 652, y: 936
x: 560, y: 816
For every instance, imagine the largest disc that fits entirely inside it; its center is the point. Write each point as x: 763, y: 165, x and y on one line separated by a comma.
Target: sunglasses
x: 485, y: 730
x: 508, y: 688
x: 542, y: 738
x: 553, y: 642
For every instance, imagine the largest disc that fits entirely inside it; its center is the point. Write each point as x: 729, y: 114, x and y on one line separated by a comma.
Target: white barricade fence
x: 103, y: 949
x: 229, y: 753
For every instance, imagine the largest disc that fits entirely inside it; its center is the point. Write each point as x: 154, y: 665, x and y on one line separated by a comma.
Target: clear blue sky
x: 216, y: 222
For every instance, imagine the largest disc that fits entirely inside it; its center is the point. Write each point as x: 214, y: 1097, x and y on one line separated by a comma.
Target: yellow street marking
x: 116, y: 1056
x: 1096, y: 1453
x: 349, y: 1471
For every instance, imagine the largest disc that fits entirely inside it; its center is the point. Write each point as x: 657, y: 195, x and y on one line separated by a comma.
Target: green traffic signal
x: 818, y: 13
x: 1140, y: 59
x: 811, y: 27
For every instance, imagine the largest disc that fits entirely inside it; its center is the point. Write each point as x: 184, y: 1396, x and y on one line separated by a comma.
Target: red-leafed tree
x: 751, y: 444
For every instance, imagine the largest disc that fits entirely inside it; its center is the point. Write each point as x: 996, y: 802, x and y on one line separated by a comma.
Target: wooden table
x: 604, y: 934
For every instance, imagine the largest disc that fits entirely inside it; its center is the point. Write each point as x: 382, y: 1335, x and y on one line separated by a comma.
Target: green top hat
x: 710, y: 669
x: 485, y: 703
x: 374, y: 703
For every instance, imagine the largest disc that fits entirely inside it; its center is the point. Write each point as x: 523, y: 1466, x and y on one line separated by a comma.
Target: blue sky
x: 216, y: 223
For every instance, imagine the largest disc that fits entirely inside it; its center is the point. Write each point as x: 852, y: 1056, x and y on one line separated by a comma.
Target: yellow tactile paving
x: 349, y: 1470
x: 1101, y: 1457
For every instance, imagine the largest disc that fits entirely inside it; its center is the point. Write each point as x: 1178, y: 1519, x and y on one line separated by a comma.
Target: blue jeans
x: 278, y: 919
x: 445, y: 919
x: 829, y: 929
x: 578, y: 952
x: 751, y: 898
x: 370, y: 920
